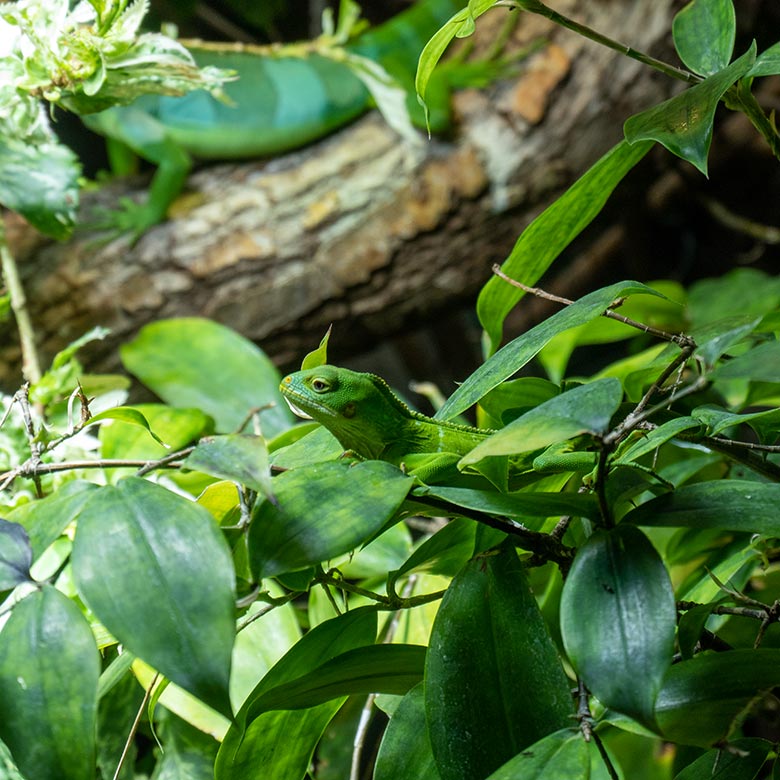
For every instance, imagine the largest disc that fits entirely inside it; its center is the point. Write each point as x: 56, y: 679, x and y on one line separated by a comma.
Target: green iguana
x: 368, y: 419
x: 277, y: 103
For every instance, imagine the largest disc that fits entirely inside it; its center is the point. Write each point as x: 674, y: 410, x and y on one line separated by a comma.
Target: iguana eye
x: 319, y: 385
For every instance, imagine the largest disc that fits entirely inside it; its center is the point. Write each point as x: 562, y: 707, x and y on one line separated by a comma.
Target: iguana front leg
x: 145, y: 136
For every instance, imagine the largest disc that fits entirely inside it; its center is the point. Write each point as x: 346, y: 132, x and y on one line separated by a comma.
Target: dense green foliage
x: 616, y: 535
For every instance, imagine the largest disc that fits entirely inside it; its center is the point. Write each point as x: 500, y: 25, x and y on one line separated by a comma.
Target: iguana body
x: 367, y: 418
x: 276, y: 104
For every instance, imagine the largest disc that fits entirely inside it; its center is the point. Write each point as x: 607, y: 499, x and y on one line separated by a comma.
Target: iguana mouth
x: 297, y: 410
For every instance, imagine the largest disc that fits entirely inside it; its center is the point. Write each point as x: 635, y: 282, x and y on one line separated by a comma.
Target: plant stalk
x: 31, y: 367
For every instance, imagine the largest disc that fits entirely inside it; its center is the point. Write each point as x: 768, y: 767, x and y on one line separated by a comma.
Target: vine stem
x: 31, y: 367
x: 534, y: 6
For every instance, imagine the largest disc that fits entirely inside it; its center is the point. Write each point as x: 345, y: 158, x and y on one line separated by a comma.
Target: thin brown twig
x: 134, y: 727
x: 680, y: 339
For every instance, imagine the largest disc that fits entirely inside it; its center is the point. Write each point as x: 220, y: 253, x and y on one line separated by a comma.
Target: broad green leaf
x: 127, y: 415
x: 704, y: 33
x: 717, y: 419
x: 405, y: 751
x: 383, y: 668
x: 189, y: 753
x: 319, y: 356
x: 49, y: 669
x: 260, y: 645
x: 584, y: 409
x: 176, y: 427
x: 314, y: 447
x: 443, y: 553
x: 767, y: 63
x: 514, y: 355
x: 760, y: 364
x: 322, y: 511
x: 385, y: 552
x: 157, y: 573
x: 690, y: 626
x: 624, y: 647
x: 715, y: 338
x: 742, y: 761
x: 733, y: 563
x: 562, y: 755
x: 494, y: 683
x: 40, y: 181
x: 743, y: 292
x: 15, y: 555
x: 549, y: 234
x: 520, y: 505
x: 196, y: 362
x: 250, y: 748
x: 46, y: 519
x: 701, y: 700
x: 729, y: 504
x: 238, y: 457
x: 683, y: 124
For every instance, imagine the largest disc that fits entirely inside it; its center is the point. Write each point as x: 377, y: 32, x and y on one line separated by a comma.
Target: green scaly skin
x: 278, y: 103
x: 368, y: 419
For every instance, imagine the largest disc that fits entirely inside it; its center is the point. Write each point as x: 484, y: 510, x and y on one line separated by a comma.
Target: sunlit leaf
x: 196, y: 362
x: 319, y: 356
x: 584, y: 409
x: 548, y: 235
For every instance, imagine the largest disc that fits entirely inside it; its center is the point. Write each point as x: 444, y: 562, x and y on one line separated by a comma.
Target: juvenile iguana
x: 277, y: 103
x: 368, y: 419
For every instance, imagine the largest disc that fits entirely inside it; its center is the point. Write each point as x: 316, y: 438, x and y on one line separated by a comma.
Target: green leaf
x: 383, y: 668
x: 760, y: 364
x: 196, y: 362
x: 176, y: 427
x: 15, y: 555
x: 683, y: 124
x: 405, y: 752
x: 138, y: 554
x: 189, y: 753
x: 319, y: 356
x: 562, y: 755
x: 238, y: 457
x: 729, y: 504
x: 40, y: 181
x: 767, y: 63
x: 742, y: 761
x: 715, y: 338
x: 460, y: 25
x: 251, y: 745
x: 701, y: 700
x: 550, y: 233
x: 494, y: 683
x: 704, y: 33
x: 323, y: 510
x: 127, y: 415
x: 717, y: 419
x: 624, y: 647
x: 584, y: 409
x: 655, y: 438
x: 517, y: 353
x: 45, y: 520
x: 49, y: 669
x: 520, y: 505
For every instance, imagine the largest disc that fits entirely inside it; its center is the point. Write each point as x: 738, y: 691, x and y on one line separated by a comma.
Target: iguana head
x: 358, y: 409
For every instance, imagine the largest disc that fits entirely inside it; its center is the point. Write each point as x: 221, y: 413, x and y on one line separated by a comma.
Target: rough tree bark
x: 361, y: 228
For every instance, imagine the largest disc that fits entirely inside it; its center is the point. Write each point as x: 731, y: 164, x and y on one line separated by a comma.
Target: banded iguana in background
x: 282, y: 98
